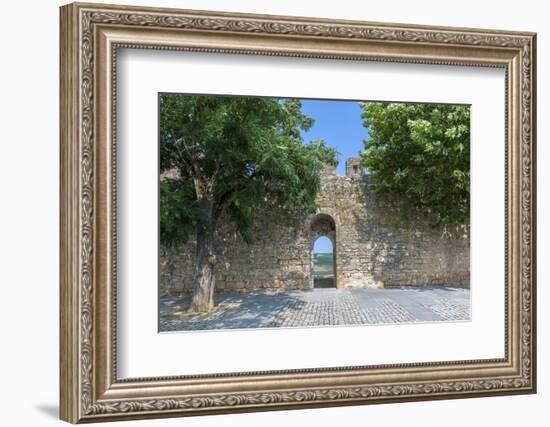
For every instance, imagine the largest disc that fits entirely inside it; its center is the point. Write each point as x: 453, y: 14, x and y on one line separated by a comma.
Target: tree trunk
x: 204, y: 279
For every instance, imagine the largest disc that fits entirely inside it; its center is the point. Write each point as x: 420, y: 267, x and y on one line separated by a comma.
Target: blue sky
x: 322, y: 245
x: 339, y: 123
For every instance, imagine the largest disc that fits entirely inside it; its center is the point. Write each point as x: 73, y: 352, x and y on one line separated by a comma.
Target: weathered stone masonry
x: 373, y: 247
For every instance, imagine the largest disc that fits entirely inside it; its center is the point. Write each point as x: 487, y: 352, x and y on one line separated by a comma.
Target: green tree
x: 421, y: 153
x: 231, y: 158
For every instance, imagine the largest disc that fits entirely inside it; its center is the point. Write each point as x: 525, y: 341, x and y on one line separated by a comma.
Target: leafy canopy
x: 234, y: 157
x: 421, y: 153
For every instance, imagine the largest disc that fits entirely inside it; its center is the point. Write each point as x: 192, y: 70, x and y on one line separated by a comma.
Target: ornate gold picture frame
x: 91, y: 34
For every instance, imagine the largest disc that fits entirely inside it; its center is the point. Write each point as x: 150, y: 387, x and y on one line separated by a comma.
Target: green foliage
x: 235, y: 158
x: 327, y: 154
x: 421, y: 153
x: 178, y: 210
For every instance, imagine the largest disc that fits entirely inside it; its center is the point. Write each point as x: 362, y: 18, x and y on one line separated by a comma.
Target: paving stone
x: 319, y: 307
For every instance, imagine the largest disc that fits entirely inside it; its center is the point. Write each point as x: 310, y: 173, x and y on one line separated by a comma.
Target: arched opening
x: 323, y: 251
x: 323, y: 263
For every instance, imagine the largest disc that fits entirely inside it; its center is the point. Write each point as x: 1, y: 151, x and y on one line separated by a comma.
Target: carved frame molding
x: 90, y: 36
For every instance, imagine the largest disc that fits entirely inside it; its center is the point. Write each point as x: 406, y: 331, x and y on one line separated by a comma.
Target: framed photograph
x: 266, y: 212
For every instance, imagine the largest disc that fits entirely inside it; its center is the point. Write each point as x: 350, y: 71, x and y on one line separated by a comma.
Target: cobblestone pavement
x: 320, y: 307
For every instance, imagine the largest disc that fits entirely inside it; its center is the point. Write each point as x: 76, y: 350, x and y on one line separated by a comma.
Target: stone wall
x: 373, y: 246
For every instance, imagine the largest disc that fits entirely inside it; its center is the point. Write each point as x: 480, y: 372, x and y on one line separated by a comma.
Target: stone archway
x: 323, y: 225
